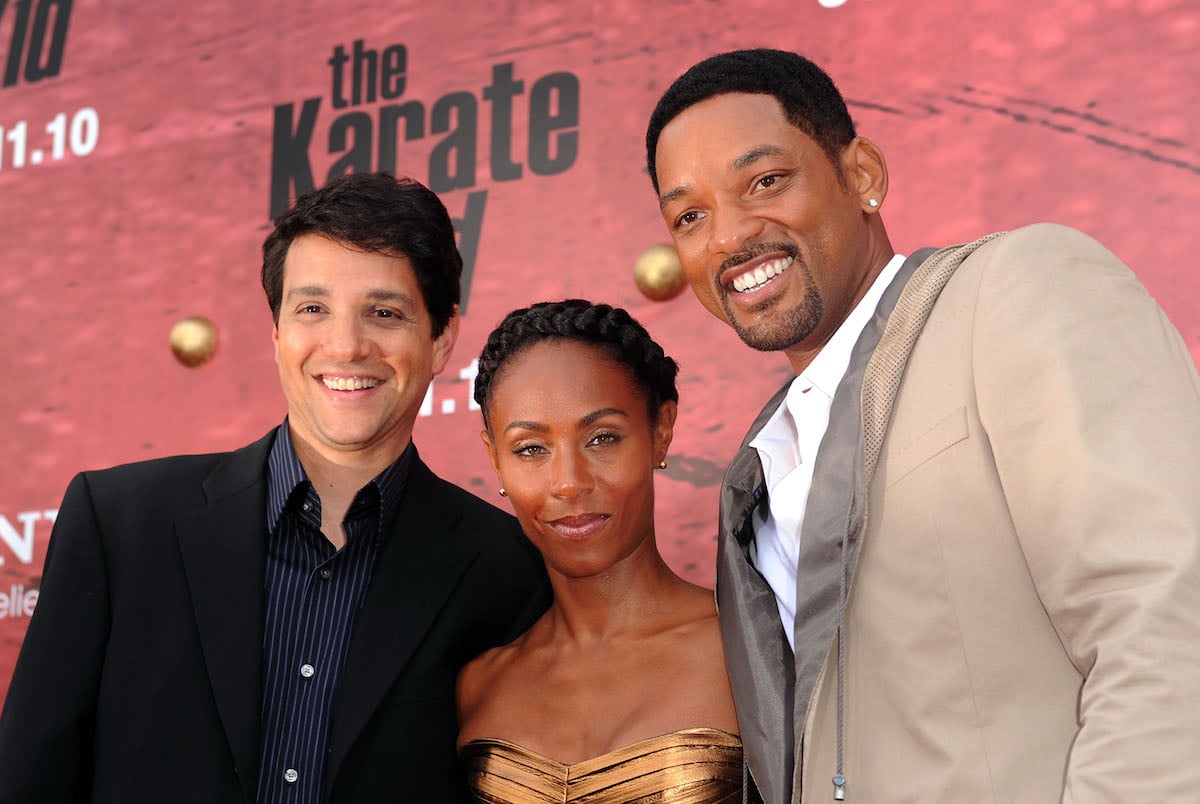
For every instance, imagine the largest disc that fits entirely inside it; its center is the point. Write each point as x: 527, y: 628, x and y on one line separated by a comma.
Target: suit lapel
x: 417, y: 570
x: 757, y: 654
x: 224, y: 553
x: 835, y: 517
x: 904, y: 324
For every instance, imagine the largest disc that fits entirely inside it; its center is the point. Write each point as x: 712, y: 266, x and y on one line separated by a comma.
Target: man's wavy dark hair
x: 381, y: 214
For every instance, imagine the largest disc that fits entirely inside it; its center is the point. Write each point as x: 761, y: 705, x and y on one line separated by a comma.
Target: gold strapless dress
x: 694, y: 766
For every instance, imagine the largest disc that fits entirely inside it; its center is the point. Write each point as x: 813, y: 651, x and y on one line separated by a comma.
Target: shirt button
x: 325, y: 573
x: 290, y: 775
x: 307, y: 670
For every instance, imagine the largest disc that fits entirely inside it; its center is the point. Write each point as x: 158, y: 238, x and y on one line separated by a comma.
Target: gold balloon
x: 658, y: 273
x: 194, y: 340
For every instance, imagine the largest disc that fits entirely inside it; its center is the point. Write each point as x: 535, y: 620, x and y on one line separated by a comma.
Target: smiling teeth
x: 349, y: 383
x: 753, y: 280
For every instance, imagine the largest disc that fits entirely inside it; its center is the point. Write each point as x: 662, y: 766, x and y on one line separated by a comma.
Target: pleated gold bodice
x: 694, y: 766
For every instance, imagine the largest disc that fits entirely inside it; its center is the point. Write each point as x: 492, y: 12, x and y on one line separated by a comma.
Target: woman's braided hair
x: 608, y: 328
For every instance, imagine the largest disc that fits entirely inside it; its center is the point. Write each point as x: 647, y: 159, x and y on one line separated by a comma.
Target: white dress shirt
x: 787, y: 447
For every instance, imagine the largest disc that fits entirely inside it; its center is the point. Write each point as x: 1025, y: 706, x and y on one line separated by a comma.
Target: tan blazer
x: 1013, y: 498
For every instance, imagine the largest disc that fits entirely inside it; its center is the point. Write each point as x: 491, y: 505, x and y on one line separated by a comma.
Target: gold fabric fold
x: 693, y: 766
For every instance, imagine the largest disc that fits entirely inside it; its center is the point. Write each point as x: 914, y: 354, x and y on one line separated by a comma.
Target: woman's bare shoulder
x: 479, y: 676
x: 695, y: 610
x: 492, y: 686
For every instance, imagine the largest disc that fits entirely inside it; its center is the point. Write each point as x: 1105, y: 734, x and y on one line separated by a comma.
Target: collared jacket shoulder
x: 1029, y: 543
x: 140, y: 676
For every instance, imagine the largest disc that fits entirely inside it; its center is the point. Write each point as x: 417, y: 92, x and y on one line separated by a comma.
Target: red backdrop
x: 141, y: 144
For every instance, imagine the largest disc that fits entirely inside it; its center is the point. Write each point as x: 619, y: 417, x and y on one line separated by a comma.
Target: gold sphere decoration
x: 658, y: 273
x: 194, y: 340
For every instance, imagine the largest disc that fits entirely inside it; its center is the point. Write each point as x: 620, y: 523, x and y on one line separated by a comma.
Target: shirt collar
x: 778, y: 436
x: 288, y: 482
x: 826, y: 370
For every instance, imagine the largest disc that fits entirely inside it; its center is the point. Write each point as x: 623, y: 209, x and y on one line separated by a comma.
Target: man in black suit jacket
x: 283, y: 623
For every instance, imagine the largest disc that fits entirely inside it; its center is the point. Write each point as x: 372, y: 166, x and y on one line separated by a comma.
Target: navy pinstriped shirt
x: 313, y: 595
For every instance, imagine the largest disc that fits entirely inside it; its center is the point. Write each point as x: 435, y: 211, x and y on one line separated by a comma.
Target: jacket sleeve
x: 46, y: 729
x: 1091, y: 403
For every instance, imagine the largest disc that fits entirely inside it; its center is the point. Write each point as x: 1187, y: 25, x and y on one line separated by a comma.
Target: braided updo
x: 611, y: 329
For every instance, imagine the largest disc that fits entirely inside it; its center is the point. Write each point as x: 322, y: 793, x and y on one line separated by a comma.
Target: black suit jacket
x: 141, y: 673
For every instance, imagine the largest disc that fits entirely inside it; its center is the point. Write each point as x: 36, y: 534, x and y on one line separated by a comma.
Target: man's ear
x: 486, y: 437
x: 443, y: 344
x: 865, y: 170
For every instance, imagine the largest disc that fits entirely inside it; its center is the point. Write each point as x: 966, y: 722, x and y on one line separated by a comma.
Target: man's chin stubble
x: 782, y: 329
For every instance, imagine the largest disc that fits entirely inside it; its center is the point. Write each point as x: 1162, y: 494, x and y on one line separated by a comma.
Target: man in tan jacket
x: 959, y: 556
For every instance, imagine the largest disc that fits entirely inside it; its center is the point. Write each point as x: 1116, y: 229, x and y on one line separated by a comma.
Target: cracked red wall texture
x: 1072, y: 111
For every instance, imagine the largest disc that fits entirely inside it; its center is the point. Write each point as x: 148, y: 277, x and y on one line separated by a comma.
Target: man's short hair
x: 377, y: 213
x: 809, y: 98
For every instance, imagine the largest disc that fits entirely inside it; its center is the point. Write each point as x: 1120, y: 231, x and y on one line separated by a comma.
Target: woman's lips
x: 580, y: 526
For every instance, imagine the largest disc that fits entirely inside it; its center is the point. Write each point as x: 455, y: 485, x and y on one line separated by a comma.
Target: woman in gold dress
x: 618, y: 693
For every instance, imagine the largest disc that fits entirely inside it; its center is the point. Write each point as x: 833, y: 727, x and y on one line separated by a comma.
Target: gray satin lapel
x: 756, y: 651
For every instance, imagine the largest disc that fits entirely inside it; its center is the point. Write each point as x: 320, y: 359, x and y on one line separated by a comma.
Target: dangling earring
x: 503, y: 492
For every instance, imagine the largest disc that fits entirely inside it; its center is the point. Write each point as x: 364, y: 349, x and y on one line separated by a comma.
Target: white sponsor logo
x: 20, y: 541
x: 18, y: 602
